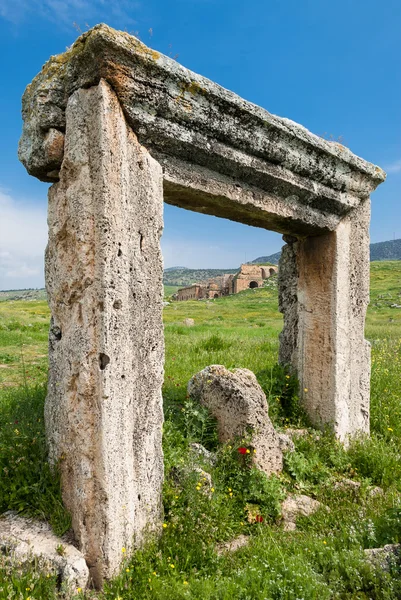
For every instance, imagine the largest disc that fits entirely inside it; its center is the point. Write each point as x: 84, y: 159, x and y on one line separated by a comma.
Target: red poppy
x: 259, y: 519
x: 242, y: 450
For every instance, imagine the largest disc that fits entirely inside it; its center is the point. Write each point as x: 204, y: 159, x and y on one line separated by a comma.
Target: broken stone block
x: 240, y: 407
x: 189, y: 322
x: 24, y: 540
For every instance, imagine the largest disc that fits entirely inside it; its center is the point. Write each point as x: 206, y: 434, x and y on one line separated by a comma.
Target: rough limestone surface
x: 240, y: 407
x: 104, y: 283
x: 25, y: 540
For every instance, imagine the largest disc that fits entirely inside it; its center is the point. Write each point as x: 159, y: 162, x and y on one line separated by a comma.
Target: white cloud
x: 23, y: 237
x: 67, y: 12
x: 394, y: 167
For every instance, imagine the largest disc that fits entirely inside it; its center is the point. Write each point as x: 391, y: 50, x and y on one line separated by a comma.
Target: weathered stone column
x: 104, y: 282
x: 324, y: 293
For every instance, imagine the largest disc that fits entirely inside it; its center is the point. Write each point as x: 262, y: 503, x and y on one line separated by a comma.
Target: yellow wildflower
x: 123, y: 550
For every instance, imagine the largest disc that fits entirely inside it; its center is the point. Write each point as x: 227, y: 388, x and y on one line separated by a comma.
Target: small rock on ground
x: 384, y: 557
x: 203, y: 453
x: 233, y: 545
x: 189, y: 322
x: 285, y: 442
x: 295, y: 506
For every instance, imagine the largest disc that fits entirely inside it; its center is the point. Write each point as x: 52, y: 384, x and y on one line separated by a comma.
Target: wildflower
x: 305, y: 389
x: 79, y: 590
x: 172, y: 566
x: 230, y: 494
x: 389, y: 428
x: 154, y: 573
x: 259, y: 519
x: 198, y: 487
x: 185, y: 582
x: 248, y: 451
x: 164, y: 525
x: 123, y: 550
x: 127, y: 570
x: 212, y: 489
x: 229, y: 489
x: 287, y: 376
x: 242, y: 450
x: 254, y: 450
x: 324, y: 542
x: 242, y: 524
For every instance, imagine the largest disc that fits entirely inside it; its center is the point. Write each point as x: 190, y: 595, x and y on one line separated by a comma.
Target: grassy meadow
x: 322, y: 559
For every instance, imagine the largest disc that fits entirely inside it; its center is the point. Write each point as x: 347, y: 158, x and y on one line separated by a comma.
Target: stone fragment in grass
x: 286, y: 443
x: 204, y: 454
x: 240, y: 407
x: 295, y: 506
x: 347, y: 484
x: 384, y: 558
x: 233, y: 545
x: 28, y: 541
x: 189, y: 322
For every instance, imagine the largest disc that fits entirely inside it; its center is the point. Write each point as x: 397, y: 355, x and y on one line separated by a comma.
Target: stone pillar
x: 324, y: 293
x: 104, y: 282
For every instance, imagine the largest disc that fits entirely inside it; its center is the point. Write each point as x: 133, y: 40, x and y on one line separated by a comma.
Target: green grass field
x: 322, y: 559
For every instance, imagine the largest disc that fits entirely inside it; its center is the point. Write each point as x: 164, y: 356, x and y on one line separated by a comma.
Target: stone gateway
x: 118, y: 128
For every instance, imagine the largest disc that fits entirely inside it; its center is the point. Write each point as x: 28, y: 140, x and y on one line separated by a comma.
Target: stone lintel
x: 193, y: 121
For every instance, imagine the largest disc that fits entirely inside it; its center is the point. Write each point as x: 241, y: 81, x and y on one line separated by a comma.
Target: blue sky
x: 332, y: 66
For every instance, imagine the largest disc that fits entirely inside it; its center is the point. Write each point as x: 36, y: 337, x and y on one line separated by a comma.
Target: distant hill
x: 272, y: 259
x: 28, y: 294
x: 390, y: 250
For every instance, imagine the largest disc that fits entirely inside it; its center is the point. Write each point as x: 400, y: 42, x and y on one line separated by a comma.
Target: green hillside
x: 390, y: 250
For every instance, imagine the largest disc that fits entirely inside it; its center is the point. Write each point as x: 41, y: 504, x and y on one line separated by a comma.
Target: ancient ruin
x: 118, y: 128
x: 248, y: 276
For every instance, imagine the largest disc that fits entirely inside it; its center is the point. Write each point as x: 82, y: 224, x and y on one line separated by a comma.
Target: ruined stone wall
x: 192, y: 292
